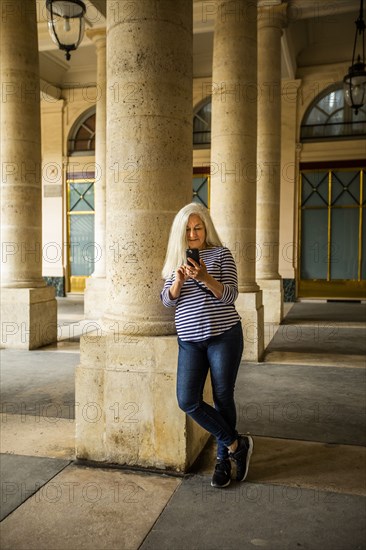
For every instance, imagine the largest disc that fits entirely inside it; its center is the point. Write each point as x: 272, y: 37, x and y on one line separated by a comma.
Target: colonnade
x: 127, y: 369
x: 233, y: 150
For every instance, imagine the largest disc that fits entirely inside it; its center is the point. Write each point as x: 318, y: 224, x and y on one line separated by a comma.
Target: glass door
x: 201, y: 188
x: 332, y: 234
x: 81, y: 246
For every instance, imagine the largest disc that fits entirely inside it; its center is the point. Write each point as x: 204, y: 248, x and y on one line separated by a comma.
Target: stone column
x: 270, y: 23
x: 95, y: 291
x: 28, y: 306
x: 233, y: 155
x: 290, y: 161
x: 125, y: 385
x: 149, y: 156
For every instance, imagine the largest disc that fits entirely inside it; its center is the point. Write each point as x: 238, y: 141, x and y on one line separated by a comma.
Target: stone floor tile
x: 89, y: 508
x: 22, y: 476
x: 318, y: 466
x: 37, y: 436
x: 248, y: 515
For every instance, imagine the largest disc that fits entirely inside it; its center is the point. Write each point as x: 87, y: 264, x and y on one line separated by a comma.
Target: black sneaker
x: 222, y: 474
x: 242, y: 456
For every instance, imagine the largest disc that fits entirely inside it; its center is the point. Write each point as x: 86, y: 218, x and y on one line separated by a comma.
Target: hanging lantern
x: 354, y: 83
x: 66, y: 23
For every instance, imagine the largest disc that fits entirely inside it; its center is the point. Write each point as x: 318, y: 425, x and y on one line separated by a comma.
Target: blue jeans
x: 221, y: 355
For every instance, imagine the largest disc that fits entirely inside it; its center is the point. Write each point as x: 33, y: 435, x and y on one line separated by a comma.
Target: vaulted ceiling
x: 318, y: 33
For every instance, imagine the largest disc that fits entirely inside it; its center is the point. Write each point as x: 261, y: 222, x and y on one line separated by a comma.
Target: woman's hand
x: 180, y: 278
x: 180, y: 275
x: 200, y: 273
x: 196, y: 271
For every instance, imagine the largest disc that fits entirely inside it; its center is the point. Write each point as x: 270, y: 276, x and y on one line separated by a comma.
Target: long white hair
x: 177, y: 244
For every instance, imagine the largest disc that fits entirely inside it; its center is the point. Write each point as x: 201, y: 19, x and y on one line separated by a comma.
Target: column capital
x: 272, y: 16
x: 98, y: 36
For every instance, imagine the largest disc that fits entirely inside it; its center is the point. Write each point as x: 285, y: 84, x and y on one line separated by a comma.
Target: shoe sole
x: 249, y: 454
x: 220, y: 486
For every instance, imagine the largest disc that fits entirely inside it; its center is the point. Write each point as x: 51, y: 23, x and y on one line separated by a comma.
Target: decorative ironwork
x: 202, y: 125
x: 330, y: 118
x: 82, y: 135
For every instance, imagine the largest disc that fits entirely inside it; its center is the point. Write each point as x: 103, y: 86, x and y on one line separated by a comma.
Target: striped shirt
x: 200, y: 315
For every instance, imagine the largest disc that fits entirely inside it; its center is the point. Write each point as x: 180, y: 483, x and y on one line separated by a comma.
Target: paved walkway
x: 304, y: 405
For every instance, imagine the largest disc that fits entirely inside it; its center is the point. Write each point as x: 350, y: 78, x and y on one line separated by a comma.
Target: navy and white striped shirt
x: 200, y: 315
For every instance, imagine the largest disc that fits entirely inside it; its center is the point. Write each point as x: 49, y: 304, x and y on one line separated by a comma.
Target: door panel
x: 80, y: 232
x: 332, y: 234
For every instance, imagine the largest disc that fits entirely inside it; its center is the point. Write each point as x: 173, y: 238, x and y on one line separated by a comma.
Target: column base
x: 272, y: 290
x: 250, y: 308
x: 95, y: 297
x: 28, y: 317
x: 126, y: 411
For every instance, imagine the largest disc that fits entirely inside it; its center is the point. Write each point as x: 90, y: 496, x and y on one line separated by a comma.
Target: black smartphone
x: 194, y: 254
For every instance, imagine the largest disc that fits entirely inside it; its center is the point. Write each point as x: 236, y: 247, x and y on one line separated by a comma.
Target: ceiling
x: 318, y: 33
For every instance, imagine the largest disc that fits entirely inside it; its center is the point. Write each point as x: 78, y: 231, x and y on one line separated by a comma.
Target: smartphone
x: 194, y: 254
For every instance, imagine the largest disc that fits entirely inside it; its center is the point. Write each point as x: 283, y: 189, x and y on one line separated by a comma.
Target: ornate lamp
x: 66, y: 23
x: 354, y: 83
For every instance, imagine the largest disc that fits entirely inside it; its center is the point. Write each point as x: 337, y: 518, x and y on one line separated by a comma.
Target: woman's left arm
x: 214, y: 285
x: 225, y: 290
x: 229, y: 277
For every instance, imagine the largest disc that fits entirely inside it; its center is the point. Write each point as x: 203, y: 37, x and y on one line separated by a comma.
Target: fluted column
x: 95, y: 291
x: 28, y: 307
x: 128, y: 370
x: 270, y: 23
x: 233, y: 154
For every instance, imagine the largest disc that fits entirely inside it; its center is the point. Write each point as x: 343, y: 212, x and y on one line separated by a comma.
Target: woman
x: 209, y: 331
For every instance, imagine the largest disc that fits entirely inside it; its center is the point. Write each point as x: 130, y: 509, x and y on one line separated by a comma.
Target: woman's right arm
x: 180, y: 278
x: 172, y: 288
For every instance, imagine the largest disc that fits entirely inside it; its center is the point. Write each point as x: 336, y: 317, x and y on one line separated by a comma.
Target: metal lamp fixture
x: 354, y: 83
x: 66, y: 23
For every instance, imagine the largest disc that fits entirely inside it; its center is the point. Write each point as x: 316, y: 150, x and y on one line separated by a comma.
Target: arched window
x: 202, y: 125
x: 82, y: 135
x: 330, y: 118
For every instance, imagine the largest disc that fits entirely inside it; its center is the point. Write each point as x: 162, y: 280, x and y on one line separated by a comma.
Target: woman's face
x: 196, y: 232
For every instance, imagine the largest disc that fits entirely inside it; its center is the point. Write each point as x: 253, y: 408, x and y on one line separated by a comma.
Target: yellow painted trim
x: 77, y: 180
x: 81, y: 213
x: 299, y: 231
x: 315, y: 288
x: 208, y: 191
x: 360, y: 228
x: 329, y: 223
x: 77, y: 284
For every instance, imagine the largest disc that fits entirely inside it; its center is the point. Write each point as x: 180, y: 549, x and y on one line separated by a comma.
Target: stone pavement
x: 306, y: 485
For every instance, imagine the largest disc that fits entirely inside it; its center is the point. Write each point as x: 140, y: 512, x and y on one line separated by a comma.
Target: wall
x: 57, y: 119
x: 53, y: 252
